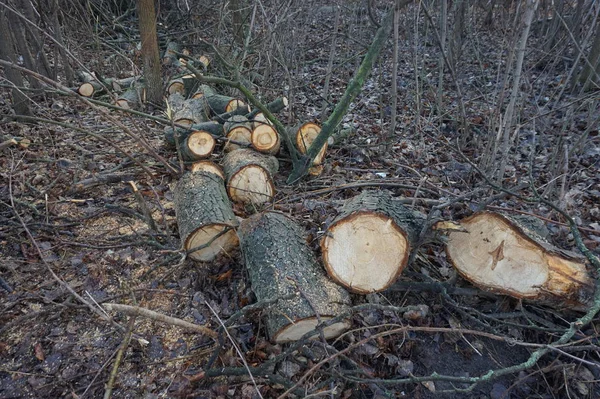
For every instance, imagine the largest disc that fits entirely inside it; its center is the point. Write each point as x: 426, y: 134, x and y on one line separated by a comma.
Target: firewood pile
x: 366, y: 246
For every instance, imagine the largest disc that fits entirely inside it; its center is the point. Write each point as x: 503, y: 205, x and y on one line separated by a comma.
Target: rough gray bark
x: 204, y: 215
x: 281, y: 265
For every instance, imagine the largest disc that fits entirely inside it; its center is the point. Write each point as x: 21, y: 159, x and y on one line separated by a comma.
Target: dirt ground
x: 60, y: 220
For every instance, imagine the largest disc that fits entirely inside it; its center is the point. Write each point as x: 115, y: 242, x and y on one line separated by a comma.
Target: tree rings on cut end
x: 212, y: 239
x: 249, y: 176
x: 198, y: 145
x: 500, y: 254
x: 251, y: 184
x: 207, y: 166
x: 365, y: 252
x: 265, y: 139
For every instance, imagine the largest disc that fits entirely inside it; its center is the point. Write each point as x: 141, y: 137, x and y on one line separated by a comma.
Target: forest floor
x: 58, y: 215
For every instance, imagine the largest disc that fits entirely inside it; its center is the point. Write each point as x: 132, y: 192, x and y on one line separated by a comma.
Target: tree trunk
x: 591, y: 70
x: 7, y: 52
x: 280, y: 264
x: 508, y: 119
x: 368, y: 245
x: 61, y: 44
x: 150, y: 56
x: 22, y: 48
x: 509, y: 256
x: 204, y: 215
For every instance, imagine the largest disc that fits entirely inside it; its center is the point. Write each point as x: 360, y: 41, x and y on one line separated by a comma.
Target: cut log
x: 170, y: 56
x: 213, y: 128
x: 176, y: 86
x: 367, y: 246
x: 305, y: 135
x: 501, y: 254
x: 274, y: 106
x: 191, y: 112
x: 184, y: 85
x: 265, y: 139
x: 204, y: 215
x: 260, y: 119
x: 209, y: 167
x: 132, y: 98
x: 218, y: 104
x: 197, y: 145
x: 249, y: 176
x: 280, y: 264
x: 204, y: 90
x: 239, y: 130
x: 93, y: 87
x: 89, y: 89
x: 222, y: 118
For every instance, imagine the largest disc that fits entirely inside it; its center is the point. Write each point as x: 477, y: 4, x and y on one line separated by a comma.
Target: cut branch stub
x: 197, y: 145
x: 281, y: 265
x: 500, y: 254
x: 209, y: 167
x: 367, y: 246
x: 265, y: 139
x: 237, y: 129
x: 204, y: 215
x: 250, y: 176
x: 305, y: 135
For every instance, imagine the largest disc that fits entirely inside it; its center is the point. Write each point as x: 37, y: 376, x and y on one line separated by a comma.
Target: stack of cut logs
x: 364, y: 249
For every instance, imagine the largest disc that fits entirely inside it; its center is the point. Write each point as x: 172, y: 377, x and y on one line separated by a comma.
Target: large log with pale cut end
x: 171, y: 133
x: 204, y: 215
x: 501, y: 254
x: 250, y: 176
x: 238, y: 131
x: 209, y: 167
x: 265, y: 139
x: 367, y: 246
x: 281, y: 265
x: 197, y: 145
x: 304, y: 136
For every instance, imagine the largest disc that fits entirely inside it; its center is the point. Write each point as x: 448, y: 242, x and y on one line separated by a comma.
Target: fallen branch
x: 150, y: 314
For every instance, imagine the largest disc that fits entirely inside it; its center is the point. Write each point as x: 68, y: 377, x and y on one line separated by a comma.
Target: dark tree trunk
x: 7, y: 52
